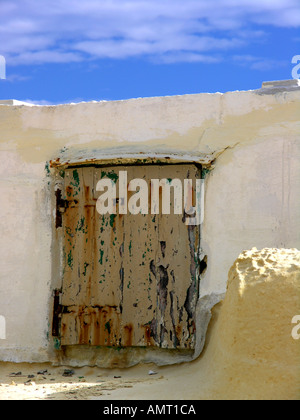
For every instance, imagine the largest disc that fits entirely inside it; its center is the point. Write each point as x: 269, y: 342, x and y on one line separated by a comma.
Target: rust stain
x: 96, y: 326
x: 63, y: 329
x: 128, y: 332
x: 178, y: 330
x: 69, y: 191
x: 54, y: 163
x: 148, y: 334
x: 87, y: 192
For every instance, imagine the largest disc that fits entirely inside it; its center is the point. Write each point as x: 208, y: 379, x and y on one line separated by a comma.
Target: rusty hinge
x: 61, y: 206
x: 57, y: 311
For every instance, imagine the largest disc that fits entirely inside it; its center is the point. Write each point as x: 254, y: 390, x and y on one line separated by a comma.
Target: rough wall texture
x: 255, y: 341
x: 250, y: 140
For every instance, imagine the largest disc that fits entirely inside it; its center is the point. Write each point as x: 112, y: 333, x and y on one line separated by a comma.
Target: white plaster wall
x: 252, y: 194
x: 25, y: 264
x: 252, y: 200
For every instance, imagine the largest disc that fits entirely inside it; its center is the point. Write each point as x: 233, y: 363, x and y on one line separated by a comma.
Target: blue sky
x: 60, y: 51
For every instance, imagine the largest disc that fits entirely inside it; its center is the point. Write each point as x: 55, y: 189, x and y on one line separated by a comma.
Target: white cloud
x: 186, y: 57
x: 266, y: 65
x: 43, y: 57
x: 16, y: 78
x: 74, y: 30
x: 259, y: 63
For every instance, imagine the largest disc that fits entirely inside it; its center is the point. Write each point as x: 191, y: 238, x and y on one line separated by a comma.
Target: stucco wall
x: 251, y: 194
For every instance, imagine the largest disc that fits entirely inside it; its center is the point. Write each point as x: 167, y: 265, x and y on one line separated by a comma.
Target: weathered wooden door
x: 128, y: 280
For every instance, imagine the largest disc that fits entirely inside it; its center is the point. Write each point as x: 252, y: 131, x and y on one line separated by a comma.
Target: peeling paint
x: 112, y: 219
x: 111, y: 175
x: 122, y: 285
x: 70, y: 260
x: 76, y: 179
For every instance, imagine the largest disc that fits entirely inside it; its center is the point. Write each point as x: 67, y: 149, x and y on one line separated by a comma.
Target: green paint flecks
x: 101, y: 256
x: 76, y: 181
x: 69, y: 231
x: 76, y: 178
x: 56, y: 343
x: 130, y: 246
x: 111, y: 175
x: 107, y: 327
x: 70, y: 260
x: 112, y: 220
x: 47, y: 168
x: 205, y: 172
x: 80, y: 226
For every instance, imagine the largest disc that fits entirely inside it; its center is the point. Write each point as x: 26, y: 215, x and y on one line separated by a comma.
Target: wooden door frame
x: 59, y: 167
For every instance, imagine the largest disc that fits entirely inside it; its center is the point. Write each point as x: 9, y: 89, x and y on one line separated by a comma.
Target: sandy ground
x: 86, y: 383
x: 91, y: 383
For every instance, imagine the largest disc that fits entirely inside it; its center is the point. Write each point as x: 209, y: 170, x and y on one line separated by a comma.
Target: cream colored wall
x: 251, y: 200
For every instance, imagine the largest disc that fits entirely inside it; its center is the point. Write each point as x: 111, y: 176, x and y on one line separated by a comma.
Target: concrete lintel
x: 277, y: 86
x: 13, y: 102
